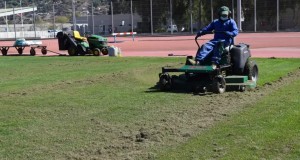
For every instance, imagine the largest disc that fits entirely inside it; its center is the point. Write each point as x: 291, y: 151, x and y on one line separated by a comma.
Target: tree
x: 62, y: 19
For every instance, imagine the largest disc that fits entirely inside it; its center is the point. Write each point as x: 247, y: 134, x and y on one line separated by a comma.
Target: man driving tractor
x: 224, y: 29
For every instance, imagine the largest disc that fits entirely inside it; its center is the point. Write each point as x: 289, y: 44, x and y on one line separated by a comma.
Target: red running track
x: 277, y: 44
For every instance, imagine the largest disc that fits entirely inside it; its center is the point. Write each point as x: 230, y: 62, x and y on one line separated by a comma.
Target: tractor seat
x: 77, y: 36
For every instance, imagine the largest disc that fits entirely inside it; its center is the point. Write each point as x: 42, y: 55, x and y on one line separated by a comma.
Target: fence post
x: 131, y: 15
x: 74, y: 16
x: 15, y: 23
x: 277, y: 15
x: 191, y: 12
x: 211, y: 10
x: 93, y: 19
x: 112, y: 17
x: 151, y: 14
x: 171, y: 15
x: 239, y: 10
x: 255, y: 20
x: 232, y: 9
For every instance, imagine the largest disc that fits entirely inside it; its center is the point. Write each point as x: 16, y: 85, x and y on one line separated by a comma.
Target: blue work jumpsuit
x: 230, y: 30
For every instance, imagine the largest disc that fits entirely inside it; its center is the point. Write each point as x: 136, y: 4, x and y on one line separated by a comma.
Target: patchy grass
x: 76, y: 107
x: 267, y: 130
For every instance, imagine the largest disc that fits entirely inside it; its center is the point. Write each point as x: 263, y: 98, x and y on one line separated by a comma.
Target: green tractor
x: 236, y: 71
x: 77, y: 45
x: 98, y: 43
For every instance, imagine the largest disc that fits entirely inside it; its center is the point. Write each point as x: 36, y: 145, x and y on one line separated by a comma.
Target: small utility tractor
x: 77, y: 45
x: 236, y: 71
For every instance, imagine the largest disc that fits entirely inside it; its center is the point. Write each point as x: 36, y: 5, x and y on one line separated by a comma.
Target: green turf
x: 268, y: 130
x: 47, y: 103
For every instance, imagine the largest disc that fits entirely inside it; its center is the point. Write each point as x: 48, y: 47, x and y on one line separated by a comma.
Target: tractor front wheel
x: 165, y: 83
x: 96, y: 52
x: 219, y: 85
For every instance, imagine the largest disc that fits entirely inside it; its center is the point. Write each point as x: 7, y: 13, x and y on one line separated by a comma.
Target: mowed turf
x: 54, y: 106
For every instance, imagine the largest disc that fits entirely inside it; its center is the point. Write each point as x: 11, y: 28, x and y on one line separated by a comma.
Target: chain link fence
x: 166, y: 16
x: 160, y: 16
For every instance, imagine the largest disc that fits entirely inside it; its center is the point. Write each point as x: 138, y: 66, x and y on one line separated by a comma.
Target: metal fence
x: 155, y: 16
x: 183, y: 16
x: 191, y: 15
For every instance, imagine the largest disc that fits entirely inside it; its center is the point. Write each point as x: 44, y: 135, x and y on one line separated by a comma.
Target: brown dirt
x: 145, y: 138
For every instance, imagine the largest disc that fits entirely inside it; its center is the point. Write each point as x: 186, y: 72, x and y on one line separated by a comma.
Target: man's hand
x: 198, y: 34
x: 228, y: 33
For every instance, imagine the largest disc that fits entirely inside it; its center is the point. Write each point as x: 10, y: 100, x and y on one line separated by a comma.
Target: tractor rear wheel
x: 219, y: 85
x: 72, y: 51
x: 81, y: 50
x: 251, y: 70
x: 104, y: 51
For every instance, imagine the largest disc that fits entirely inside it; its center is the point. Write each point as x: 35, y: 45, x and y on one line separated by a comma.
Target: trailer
x: 21, y: 44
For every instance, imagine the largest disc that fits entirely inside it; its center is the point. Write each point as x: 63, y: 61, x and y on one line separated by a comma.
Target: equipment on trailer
x: 21, y: 44
x: 77, y: 45
x: 236, y: 71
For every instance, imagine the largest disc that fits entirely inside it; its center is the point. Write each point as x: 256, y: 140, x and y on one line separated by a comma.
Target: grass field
x: 108, y: 108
